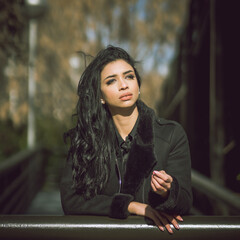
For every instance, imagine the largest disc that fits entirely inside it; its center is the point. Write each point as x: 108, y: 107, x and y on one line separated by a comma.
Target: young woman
x: 123, y: 159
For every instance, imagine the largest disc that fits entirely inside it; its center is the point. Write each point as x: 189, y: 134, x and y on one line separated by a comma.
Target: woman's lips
x: 126, y: 96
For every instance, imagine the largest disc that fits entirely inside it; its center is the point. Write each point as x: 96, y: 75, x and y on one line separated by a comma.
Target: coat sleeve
x: 114, y: 206
x: 178, y: 165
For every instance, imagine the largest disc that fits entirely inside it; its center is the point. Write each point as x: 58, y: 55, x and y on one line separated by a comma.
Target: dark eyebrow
x: 127, y: 72
x: 111, y: 76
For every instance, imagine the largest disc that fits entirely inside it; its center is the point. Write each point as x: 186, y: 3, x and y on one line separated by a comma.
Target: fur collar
x: 141, y: 158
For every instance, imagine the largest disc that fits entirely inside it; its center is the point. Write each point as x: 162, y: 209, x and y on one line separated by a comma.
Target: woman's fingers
x: 158, y: 222
x: 172, y: 219
x: 163, y: 175
x: 165, y: 223
x: 159, y: 219
x: 178, y: 217
x: 163, y: 219
x: 153, y: 214
x: 159, y: 183
x: 153, y: 187
x: 158, y: 188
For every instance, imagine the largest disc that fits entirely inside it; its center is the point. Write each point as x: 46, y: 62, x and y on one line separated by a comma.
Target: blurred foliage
x: 12, y: 25
x: 142, y: 27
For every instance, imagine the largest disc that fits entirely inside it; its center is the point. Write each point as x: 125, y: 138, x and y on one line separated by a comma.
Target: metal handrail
x: 21, y: 177
x: 215, y: 191
x: 99, y: 227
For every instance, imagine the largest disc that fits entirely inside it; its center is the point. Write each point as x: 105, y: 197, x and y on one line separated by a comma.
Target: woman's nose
x: 122, y: 84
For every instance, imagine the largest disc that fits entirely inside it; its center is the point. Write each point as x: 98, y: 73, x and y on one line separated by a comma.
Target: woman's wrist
x: 131, y: 207
x: 137, y: 208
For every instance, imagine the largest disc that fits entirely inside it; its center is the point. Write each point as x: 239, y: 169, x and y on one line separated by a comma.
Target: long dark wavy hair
x: 93, y: 138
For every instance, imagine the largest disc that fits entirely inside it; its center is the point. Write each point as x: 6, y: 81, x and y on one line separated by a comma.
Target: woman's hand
x: 159, y: 218
x: 161, y: 183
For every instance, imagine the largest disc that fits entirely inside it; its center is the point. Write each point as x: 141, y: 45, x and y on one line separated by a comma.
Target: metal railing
x: 21, y: 177
x: 226, y: 199
x: 98, y: 227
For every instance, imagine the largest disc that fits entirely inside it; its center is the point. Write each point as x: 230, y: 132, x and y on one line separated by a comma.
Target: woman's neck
x: 125, y: 122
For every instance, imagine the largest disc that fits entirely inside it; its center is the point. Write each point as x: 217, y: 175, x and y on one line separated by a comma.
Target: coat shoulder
x: 166, y: 129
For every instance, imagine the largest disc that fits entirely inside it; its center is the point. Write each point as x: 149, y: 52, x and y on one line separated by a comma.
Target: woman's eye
x: 130, y: 76
x: 110, y: 81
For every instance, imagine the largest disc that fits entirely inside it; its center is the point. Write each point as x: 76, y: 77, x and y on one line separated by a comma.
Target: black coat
x: 159, y: 145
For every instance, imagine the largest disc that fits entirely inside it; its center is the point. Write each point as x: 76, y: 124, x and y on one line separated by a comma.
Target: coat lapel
x: 141, y: 157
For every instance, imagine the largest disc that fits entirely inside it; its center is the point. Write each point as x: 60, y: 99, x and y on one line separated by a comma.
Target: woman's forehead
x: 116, y: 67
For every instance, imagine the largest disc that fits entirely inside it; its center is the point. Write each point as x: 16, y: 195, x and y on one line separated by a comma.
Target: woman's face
x: 119, y: 85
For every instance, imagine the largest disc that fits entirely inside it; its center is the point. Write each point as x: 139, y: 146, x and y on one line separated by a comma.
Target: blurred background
x: 187, y: 51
